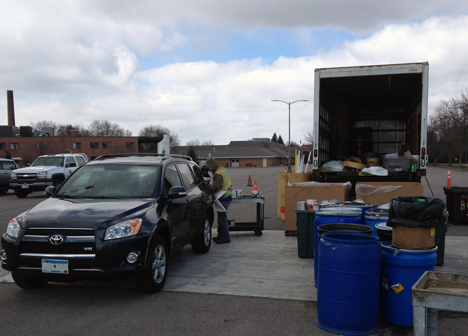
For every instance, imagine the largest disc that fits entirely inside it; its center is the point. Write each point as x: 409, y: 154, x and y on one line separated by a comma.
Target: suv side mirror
x: 176, y: 192
x: 49, y: 190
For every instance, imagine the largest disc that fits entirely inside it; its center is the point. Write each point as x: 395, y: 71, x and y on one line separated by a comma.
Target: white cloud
x: 76, y: 63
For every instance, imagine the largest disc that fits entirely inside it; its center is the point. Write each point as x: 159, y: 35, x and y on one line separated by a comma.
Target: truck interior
x: 370, y: 116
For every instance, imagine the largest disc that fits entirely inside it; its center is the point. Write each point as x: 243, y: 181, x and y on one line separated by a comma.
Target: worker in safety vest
x: 221, y: 182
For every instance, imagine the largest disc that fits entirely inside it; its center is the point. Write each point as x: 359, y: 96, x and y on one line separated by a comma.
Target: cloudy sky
x: 208, y: 69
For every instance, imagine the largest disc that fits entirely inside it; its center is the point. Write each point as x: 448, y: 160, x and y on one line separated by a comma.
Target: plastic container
x: 373, y: 217
x: 393, y: 164
x: 400, y: 270
x: 384, y: 231
x: 457, y: 204
x: 333, y: 216
x: 361, y: 205
x: 305, y: 233
x: 349, y: 277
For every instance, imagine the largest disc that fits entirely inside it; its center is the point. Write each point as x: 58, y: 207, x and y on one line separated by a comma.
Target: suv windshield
x: 111, y: 181
x: 48, y: 161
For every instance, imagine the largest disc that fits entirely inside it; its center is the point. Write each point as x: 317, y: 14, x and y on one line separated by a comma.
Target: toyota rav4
x: 117, y: 215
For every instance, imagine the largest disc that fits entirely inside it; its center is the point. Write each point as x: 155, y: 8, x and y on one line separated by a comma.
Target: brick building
x: 26, y: 149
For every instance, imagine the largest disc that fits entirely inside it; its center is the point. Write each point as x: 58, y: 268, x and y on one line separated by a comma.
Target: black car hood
x: 89, y: 213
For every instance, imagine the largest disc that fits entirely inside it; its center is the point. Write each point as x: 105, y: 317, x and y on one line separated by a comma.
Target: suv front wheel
x: 154, y: 276
x: 21, y: 193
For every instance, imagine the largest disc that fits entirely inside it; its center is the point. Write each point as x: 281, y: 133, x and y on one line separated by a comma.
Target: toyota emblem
x: 56, y: 239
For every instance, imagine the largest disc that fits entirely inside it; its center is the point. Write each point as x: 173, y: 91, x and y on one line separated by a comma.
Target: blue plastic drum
x: 400, y: 270
x: 364, y: 206
x: 349, y: 277
x: 373, y: 217
x: 333, y: 216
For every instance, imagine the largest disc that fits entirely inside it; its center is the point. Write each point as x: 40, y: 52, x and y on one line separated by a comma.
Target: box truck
x: 374, y: 114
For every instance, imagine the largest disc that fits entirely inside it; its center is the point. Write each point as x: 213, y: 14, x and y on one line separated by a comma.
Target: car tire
x: 202, y: 243
x: 26, y: 282
x: 3, y: 191
x: 154, y: 276
x: 20, y: 193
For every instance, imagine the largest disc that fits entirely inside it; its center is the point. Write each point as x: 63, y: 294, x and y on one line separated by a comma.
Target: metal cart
x: 257, y: 226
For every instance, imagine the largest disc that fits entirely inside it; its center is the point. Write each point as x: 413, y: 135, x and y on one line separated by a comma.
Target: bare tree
x: 194, y: 142
x: 309, y: 138
x: 105, y: 128
x: 155, y: 130
x: 38, y: 126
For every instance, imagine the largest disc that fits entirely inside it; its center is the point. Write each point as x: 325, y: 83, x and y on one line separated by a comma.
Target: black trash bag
x: 408, y: 212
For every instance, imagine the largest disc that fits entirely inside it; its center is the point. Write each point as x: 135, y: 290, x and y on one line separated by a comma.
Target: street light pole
x: 289, y: 141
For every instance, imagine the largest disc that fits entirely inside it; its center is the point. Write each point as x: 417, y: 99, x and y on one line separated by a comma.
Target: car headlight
x: 13, y: 176
x: 42, y: 175
x: 123, y: 229
x: 13, y: 228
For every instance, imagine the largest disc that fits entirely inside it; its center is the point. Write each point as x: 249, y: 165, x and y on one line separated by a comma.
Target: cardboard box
x: 378, y: 193
x: 311, y: 190
x: 284, y: 179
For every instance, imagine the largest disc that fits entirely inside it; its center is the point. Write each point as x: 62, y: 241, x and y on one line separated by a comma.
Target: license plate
x: 25, y: 186
x: 54, y: 266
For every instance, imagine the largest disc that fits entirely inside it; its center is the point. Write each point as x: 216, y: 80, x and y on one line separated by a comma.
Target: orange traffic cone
x: 249, y: 184
x: 255, y: 185
x: 449, y: 179
x: 285, y: 169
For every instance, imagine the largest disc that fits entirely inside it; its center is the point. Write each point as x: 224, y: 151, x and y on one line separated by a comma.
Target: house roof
x: 240, y: 149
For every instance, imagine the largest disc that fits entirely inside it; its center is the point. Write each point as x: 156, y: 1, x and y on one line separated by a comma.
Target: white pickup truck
x: 45, y: 171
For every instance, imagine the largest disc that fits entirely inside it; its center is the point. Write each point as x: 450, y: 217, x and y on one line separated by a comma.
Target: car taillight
x: 315, y: 153
x: 423, y: 151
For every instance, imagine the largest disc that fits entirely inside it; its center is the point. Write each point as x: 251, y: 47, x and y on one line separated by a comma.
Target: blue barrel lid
x: 354, y: 204
x: 376, y: 214
x: 384, y: 207
x: 337, y: 211
x: 383, y: 226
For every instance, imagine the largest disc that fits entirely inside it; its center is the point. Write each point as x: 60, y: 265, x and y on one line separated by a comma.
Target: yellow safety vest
x: 227, y: 185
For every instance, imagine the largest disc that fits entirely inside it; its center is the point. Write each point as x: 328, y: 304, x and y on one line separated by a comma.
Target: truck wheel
x: 57, y: 181
x: 154, y: 276
x: 26, y: 282
x: 20, y: 193
x: 202, y: 243
x: 3, y: 191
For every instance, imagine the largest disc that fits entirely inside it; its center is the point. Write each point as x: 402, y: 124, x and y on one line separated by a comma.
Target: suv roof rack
x: 162, y: 156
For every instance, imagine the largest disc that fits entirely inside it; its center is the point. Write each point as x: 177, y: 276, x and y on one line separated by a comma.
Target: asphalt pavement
x: 257, y: 285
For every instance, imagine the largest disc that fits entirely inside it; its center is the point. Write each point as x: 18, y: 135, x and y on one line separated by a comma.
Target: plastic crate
x: 392, y: 164
x: 457, y: 204
x: 305, y: 233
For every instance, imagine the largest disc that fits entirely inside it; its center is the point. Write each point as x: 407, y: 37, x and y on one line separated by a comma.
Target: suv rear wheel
x: 21, y: 193
x: 154, y: 276
x: 26, y: 282
x: 202, y: 243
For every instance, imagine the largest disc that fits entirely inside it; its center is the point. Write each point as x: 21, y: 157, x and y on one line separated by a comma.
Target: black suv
x: 117, y: 215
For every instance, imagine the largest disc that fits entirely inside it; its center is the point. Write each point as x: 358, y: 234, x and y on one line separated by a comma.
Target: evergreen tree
x: 192, y: 152
x: 280, y: 140
x: 274, y: 138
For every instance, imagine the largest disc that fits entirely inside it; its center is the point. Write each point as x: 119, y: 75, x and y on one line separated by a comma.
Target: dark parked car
x: 117, y: 215
x: 6, y: 167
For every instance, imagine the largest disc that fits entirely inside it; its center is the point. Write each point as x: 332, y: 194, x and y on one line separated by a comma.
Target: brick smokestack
x: 11, y: 108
